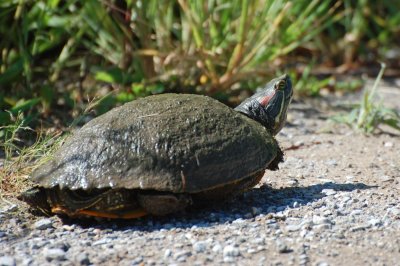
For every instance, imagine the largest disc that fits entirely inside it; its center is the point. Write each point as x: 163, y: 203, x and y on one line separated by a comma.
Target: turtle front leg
x: 274, y: 164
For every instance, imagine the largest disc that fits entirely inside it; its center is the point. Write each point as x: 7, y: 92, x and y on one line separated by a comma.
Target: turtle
x: 161, y: 154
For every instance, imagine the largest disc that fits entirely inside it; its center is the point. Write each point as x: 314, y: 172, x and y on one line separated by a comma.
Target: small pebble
x: 231, y: 251
x: 328, y: 192
x: 9, y: 208
x: 386, y: 178
x: 43, y: 224
x: 394, y: 211
x: 321, y: 227
x: 293, y: 227
x: 216, y: 248
x: 83, y: 259
x: 182, y: 254
x: 56, y: 254
x: 360, y: 227
x: 167, y: 253
x: 303, y: 259
x: 200, y: 246
x: 137, y: 261
x: 7, y: 261
x: 320, y: 220
x: 67, y: 227
x: 282, y: 247
x: 388, y: 144
x: 375, y: 222
x: 331, y: 162
x: 102, y: 241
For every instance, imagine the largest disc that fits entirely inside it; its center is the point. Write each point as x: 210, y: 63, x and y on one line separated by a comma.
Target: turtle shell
x: 178, y: 143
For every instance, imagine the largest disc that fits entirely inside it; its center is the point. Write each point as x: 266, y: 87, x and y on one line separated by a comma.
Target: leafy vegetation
x: 18, y: 159
x: 370, y: 113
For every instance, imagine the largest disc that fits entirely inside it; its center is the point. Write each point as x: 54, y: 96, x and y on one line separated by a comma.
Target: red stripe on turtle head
x: 265, y: 99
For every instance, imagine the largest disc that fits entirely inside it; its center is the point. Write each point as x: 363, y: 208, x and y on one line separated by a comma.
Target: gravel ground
x: 335, y: 201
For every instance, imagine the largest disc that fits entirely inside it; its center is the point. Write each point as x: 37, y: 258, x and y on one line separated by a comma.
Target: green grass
x: 19, y: 159
x: 370, y: 113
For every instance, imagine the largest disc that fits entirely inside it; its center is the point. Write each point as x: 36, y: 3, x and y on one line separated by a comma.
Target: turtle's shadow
x: 258, y: 201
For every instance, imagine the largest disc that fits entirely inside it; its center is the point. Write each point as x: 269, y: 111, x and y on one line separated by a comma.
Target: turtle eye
x: 280, y: 85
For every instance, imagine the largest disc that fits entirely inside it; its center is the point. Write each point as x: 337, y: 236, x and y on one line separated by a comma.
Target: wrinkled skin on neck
x: 269, y: 106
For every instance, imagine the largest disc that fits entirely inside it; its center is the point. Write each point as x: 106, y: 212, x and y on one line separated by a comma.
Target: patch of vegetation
x: 20, y: 160
x: 370, y: 113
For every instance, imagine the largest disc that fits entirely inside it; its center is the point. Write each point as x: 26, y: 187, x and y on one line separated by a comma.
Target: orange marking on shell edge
x: 265, y: 100
x: 128, y: 215
x: 59, y: 210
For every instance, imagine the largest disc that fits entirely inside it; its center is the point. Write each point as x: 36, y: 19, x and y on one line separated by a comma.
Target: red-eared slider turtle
x: 162, y: 153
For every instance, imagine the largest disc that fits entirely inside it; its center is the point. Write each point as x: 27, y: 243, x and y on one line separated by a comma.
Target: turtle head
x: 269, y: 106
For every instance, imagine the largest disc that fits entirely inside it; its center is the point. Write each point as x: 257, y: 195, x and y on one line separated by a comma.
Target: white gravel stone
x: 7, y: 261
x: 375, y: 222
x: 320, y: 220
x: 328, y: 191
x: 137, y: 261
x: 251, y: 250
x: 394, y: 211
x: 217, y: 248
x: 200, y: 246
x: 82, y: 259
x: 282, y: 247
x: 9, y: 208
x: 231, y: 251
x: 386, y: 178
x: 322, y: 227
x: 56, y: 254
x: 332, y: 162
x: 258, y: 240
x: 167, y: 253
x: 293, y: 227
x: 356, y: 212
x: 360, y: 227
x: 388, y: 144
x: 102, y: 241
x: 43, y: 224
x: 180, y: 255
